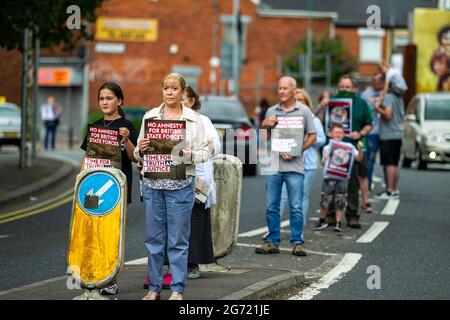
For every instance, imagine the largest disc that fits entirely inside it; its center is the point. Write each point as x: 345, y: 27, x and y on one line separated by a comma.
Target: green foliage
x: 49, y: 15
x: 341, y: 61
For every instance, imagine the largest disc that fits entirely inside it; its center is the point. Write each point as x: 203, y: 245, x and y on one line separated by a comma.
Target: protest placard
x: 339, y: 111
x: 164, y: 159
x: 287, y: 137
x: 103, y: 148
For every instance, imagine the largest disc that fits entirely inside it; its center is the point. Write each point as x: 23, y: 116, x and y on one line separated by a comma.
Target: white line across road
x: 262, y: 230
x: 391, y: 207
x: 347, y: 263
x: 373, y: 232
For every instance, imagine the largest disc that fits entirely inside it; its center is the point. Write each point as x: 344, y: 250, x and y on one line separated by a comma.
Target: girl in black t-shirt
x: 110, y: 100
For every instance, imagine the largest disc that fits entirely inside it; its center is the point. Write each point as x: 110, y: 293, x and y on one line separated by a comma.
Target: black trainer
x: 320, y: 225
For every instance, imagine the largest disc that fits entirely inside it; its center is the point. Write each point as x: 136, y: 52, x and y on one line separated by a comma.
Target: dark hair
x: 117, y: 90
x: 336, y: 125
x: 191, y: 94
x: 441, y: 33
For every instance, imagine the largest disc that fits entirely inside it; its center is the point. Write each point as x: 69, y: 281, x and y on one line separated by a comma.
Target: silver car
x: 10, y: 124
x: 427, y: 130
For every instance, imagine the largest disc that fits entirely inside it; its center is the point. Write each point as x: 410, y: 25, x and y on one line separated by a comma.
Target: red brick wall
x: 11, y: 76
x: 189, y: 25
x: 351, y: 39
x: 140, y: 69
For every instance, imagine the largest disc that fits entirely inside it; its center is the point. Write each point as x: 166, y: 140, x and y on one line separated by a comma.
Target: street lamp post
x: 236, y: 55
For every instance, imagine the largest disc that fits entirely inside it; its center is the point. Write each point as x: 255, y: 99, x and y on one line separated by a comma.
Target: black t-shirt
x: 126, y: 162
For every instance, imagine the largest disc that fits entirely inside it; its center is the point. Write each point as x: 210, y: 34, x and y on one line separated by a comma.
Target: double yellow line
x: 46, y: 205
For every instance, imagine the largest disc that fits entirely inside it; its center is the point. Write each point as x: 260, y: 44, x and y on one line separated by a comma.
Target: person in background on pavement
x: 51, y: 112
x: 323, y: 99
x: 393, y: 80
x: 391, y: 111
x: 110, y: 99
x: 169, y: 202
x: 260, y: 112
x: 371, y: 95
x: 290, y: 172
x: 361, y: 124
x: 310, y: 157
x: 200, y: 242
x: 332, y: 187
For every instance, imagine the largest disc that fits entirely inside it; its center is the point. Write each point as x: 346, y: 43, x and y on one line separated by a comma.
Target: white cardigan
x: 206, y: 170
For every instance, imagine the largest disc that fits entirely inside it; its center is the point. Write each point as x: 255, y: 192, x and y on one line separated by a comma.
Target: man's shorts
x: 337, y: 189
x: 390, y: 152
x: 362, y: 168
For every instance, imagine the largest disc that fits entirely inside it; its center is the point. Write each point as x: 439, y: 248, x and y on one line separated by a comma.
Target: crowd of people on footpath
x: 376, y: 124
x: 178, y: 234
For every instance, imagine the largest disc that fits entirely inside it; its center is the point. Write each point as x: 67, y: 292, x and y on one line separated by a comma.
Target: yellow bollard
x: 95, y: 253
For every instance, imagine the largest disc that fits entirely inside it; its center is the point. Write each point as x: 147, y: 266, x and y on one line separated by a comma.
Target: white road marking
x: 248, y: 245
x: 262, y: 230
x: 347, y: 263
x: 137, y: 262
x: 33, y: 285
x: 4, y: 236
x: 390, y: 207
x: 373, y: 232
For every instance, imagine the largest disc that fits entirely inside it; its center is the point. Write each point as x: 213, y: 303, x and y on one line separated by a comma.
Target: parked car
x: 427, y: 130
x: 234, y: 127
x: 10, y: 124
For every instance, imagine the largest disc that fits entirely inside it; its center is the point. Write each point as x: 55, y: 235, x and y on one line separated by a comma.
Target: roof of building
x: 352, y: 13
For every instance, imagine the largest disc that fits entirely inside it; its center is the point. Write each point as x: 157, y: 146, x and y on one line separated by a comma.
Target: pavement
x: 241, y: 275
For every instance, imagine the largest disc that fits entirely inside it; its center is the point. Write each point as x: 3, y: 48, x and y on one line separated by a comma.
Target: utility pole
x: 37, y: 48
x: 309, y: 48
x: 236, y: 47
x: 23, y: 130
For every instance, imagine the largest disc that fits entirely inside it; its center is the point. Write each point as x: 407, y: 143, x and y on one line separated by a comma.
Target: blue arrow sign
x: 98, y: 193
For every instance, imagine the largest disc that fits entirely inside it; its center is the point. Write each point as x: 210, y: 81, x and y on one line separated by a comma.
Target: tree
x: 53, y: 22
x: 341, y: 61
x: 50, y: 16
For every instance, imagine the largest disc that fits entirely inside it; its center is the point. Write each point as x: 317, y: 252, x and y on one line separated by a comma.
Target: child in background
x: 333, y: 187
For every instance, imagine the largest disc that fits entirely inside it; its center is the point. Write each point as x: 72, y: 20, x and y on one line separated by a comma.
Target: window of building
x: 227, y: 23
x: 370, y: 45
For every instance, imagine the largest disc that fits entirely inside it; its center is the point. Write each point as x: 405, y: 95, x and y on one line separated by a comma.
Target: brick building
x: 138, y: 42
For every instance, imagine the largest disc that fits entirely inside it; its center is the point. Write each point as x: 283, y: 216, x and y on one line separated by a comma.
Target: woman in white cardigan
x: 200, y: 241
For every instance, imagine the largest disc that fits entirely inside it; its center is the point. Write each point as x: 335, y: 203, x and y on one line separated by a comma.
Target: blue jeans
x: 294, y: 186
x: 371, y: 153
x: 50, y: 133
x: 168, y: 220
x: 307, y: 183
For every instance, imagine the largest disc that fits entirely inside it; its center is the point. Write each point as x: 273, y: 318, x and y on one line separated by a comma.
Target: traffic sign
x: 98, y: 193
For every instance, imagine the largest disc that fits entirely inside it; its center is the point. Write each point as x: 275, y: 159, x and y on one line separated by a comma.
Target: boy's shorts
x: 337, y: 189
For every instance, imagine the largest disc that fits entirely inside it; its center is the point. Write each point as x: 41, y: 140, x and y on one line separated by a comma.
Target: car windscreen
x: 222, y: 109
x: 437, y: 109
x: 5, y: 113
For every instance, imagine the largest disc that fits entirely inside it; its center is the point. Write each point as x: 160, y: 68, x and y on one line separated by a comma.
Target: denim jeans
x: 307, y: 183
x: 294, y: 187
x: 372, y: 148
x: 168, y: 219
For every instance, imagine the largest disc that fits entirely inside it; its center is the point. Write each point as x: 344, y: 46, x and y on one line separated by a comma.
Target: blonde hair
x: 176, y: 77
x: 305, y: 95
